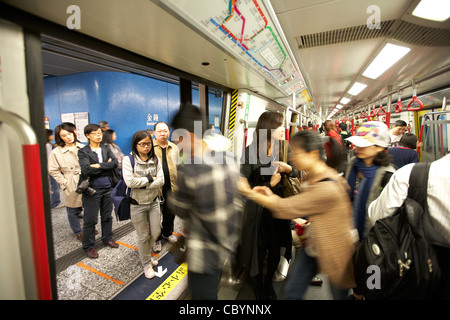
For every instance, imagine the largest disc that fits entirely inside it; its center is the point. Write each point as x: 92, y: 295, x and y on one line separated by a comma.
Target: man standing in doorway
x: 97, y: 163
x: 169, y: 154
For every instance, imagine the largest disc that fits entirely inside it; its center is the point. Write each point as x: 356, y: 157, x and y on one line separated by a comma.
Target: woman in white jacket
x: 64, y: 167
x: 145, y: 181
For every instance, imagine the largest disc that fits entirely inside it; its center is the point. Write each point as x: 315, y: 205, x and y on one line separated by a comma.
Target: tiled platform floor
x: 82, y: 278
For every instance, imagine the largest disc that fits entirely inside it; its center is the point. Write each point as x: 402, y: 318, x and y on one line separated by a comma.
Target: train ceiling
x: 327, y: 44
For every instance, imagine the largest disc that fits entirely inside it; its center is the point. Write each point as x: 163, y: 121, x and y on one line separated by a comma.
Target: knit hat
x: 371, y: 133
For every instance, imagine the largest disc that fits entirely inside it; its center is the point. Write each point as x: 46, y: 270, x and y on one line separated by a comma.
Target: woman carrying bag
x: 145, y: 181
x: 262, y: 233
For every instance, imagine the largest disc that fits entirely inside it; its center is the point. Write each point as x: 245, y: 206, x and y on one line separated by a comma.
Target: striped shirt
x: 208, y: 202
x: 438, y: 192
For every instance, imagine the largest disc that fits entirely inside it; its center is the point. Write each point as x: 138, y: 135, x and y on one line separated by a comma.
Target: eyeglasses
x: 144, y: 144
x: 96, y: 133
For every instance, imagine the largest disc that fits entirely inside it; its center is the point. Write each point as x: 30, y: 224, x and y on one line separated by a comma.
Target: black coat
x: 258, y: 223
x: 87, y: 157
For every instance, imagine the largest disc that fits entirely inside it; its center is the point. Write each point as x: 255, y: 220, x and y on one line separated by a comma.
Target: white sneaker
x: 171, y: 238
x: 149, y: 272
x: 154, y: 262
x: 157, y: 246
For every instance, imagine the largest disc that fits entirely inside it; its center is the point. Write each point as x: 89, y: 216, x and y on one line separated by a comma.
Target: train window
x: 435, y: 136
x: 214, y: 105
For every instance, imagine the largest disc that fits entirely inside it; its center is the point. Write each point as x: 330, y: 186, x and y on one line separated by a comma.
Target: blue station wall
x: 128, y: 102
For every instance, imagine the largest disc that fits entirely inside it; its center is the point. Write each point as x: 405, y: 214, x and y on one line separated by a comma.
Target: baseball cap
x: 371, y: 133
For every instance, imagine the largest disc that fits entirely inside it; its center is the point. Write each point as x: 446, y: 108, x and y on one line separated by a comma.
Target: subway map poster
x: 245, y: 29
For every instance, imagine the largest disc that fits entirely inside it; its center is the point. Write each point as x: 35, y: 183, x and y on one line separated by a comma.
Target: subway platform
x: 118, y: 275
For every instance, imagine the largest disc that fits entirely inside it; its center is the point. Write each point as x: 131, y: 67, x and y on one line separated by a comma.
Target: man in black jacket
x: 97, y: 163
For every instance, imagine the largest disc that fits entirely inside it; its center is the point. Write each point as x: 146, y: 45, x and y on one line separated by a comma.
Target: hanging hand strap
x: 414, y: 99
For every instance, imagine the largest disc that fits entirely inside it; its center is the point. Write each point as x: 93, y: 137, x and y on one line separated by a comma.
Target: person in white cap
x: 369, y: 171
x: 367, y: 174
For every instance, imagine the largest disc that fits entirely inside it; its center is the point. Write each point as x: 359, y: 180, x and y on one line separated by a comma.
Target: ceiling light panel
x: 436, y: 10
x: 344, y: 100
x: 357, y: 88
x: 387, y: 57
x: 249, y: 30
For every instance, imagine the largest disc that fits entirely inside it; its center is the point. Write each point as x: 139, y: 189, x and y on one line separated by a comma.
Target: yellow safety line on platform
x: 169, y: 284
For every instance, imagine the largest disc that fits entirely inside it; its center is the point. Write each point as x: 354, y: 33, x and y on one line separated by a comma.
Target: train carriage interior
x: 135, y: 63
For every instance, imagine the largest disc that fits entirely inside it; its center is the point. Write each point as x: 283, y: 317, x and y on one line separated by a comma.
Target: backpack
x: 120, y: 197
x: 406, y: 249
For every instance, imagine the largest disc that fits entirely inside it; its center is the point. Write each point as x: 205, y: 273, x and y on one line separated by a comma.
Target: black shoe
x: 316, y: 282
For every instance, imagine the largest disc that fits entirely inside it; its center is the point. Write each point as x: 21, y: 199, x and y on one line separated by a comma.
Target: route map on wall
x: 244, y: 28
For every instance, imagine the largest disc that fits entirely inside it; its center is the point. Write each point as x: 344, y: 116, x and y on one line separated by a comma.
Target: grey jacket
x: 142, y: 190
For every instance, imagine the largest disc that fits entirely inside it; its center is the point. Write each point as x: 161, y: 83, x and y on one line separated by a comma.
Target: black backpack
x: 409, y: 257
x: 120, y: 197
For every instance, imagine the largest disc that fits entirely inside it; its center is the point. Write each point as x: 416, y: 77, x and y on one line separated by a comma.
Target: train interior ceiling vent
x: 400, y: 30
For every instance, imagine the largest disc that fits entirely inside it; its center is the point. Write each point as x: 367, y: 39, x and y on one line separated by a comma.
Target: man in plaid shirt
x: 208, y: 201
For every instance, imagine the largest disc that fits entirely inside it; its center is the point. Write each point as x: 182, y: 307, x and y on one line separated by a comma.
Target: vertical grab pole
x: 389, y: 108
x: 35, y: 201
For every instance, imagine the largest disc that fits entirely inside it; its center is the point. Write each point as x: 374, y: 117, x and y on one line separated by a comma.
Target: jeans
x: 74, y: 220
x: 101, y: 200
x: 146, y: 219
x: 204, y: 286
x: 303, y: 270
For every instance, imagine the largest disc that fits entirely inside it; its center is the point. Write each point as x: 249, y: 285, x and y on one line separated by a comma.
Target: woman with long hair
x: 109, y: 136
x: 261, y: 233
x: 64, y: 167
x: 324, y: 202
x: 145, y: 179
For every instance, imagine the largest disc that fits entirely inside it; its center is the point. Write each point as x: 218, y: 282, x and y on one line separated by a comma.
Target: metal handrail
x: 35, y: 200
x: 20, y: 126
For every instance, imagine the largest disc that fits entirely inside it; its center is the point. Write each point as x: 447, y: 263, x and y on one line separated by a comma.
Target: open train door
x: 26, y: 263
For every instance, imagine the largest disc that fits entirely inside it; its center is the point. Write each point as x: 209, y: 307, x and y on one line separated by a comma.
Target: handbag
x: 120, y: 197
x: 291, y: 185
x: 115, y: 176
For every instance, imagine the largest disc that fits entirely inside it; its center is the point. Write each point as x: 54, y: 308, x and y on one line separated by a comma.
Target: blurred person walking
x: 369, y: 171
x: 331, y: 238
x: 207, y: 200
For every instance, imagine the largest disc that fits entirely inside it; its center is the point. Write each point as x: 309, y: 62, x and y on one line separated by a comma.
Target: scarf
x: 359, y: 198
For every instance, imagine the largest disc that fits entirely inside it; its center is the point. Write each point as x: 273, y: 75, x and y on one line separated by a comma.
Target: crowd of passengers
x: 242, y: 213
